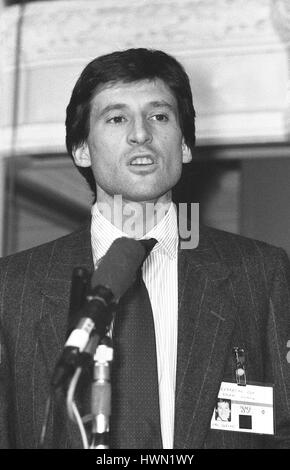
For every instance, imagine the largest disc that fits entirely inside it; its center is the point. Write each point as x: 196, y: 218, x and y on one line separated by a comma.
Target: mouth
x: 141, y: 160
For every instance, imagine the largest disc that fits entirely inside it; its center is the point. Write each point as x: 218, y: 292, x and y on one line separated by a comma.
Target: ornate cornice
x: 233, y: 50
x: 281, y: 18
x: 60, y: 30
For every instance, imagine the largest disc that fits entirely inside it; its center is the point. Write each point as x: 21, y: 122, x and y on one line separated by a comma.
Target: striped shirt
x: 160, y: 276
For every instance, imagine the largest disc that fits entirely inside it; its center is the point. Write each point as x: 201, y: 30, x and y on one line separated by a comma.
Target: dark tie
x: 135, y: 422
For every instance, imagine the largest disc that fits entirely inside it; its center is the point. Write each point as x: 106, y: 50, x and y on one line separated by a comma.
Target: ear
x: 82, y: 156
x: 186, y: 153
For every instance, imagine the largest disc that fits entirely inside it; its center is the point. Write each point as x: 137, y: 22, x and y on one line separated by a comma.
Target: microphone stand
x: 101, y: 395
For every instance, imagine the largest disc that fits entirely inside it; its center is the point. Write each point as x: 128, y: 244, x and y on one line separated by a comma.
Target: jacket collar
x: 205, y: 322
x: 55, y: 290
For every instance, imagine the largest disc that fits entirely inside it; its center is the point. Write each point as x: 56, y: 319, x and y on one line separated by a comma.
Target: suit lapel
x: 51, y: 328
x: 205, y: 323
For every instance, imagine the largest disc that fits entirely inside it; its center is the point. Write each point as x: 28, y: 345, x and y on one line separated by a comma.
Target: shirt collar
x: 166, y: 233
x: 103, y: 233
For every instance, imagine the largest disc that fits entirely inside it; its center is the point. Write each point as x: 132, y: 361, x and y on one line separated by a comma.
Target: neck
x: 134, y: 218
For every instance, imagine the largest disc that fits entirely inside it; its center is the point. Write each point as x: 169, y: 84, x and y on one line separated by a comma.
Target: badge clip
x: 240, y: 366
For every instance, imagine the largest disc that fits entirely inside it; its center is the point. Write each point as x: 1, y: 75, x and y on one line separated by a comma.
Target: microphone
x: 116, y: 272
x: 79, y: 283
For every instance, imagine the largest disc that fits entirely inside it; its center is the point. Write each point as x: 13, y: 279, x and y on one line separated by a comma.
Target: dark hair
x: 126, y: 66
x: 224, y: 400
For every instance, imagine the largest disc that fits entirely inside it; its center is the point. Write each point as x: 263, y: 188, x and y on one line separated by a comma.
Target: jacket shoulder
x: 38, y: 258
x: 240, y: 249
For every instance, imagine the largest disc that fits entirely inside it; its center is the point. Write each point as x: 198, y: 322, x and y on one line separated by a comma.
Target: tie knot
x: 148, y: 244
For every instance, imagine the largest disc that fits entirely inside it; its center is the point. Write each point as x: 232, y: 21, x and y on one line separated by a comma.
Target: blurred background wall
x: 237, y: 55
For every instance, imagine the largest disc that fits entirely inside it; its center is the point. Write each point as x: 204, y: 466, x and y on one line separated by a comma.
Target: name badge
x: 246, y: 408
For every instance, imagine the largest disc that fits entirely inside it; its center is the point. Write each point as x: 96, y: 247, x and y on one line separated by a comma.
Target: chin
x: 143, y: 197
x: 145, y: 194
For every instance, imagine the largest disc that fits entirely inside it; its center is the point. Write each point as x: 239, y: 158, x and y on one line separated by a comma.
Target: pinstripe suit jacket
x: 232, y: 292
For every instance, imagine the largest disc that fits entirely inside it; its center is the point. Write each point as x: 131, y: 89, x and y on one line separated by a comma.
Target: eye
x: 116, y: 120
x: 160, y: 117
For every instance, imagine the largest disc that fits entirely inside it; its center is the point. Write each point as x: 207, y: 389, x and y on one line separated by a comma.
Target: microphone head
x: 118, y: 268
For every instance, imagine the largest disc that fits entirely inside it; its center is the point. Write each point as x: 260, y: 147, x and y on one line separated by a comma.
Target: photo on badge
x: 223, y: 410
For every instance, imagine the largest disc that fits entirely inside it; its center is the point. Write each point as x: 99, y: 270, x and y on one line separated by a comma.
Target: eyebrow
x: 161, y: 104
x: 112, y: 107
x: 122, y: 106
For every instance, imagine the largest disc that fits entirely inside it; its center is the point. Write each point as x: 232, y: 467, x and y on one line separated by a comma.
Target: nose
x: 140, y: 132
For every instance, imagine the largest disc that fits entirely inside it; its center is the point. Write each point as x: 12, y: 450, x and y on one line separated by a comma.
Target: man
x: 223, y: 410
x: 130, y: 127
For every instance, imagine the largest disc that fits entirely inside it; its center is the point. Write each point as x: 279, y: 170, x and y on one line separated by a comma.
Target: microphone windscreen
x: 118, y: 267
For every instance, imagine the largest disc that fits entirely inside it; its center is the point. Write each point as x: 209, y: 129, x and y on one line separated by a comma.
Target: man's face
x: 223, y: 410
x: 135, y: 140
